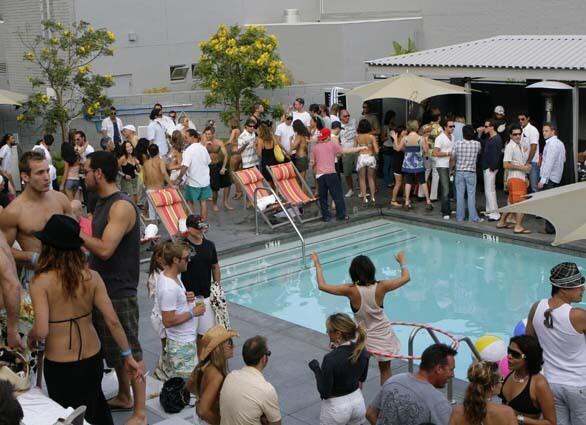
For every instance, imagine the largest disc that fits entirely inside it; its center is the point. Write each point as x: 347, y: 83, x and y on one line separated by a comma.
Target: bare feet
x: 215, y: 208
x: 228, y: 207
x: 120, y: 404
x: 137, y: 419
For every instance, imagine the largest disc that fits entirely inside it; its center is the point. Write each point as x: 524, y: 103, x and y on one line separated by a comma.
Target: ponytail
x: 483, y: 377
x: 360, y: 343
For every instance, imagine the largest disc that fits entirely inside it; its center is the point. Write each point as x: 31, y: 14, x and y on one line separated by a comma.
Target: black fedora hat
x: 61, y: 232
x: 566, y: 275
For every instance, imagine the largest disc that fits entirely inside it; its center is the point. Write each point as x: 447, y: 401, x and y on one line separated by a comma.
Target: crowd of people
x: 76, y: 298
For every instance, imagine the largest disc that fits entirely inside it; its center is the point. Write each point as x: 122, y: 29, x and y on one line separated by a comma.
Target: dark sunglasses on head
x: 515, y: 354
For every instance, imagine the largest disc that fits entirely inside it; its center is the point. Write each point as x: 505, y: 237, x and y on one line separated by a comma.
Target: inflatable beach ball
x: 520, y: 328
x: 491, y: 348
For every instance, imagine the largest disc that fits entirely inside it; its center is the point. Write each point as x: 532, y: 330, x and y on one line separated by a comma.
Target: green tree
x: 64, y: 56
x: 400, y: 50
x: 234, y: 62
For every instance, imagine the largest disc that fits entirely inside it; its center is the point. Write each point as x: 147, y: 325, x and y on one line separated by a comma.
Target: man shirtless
x: 9, y: 295
x: 154, y: 174
x: 30, y: 211
x: 219, y: 175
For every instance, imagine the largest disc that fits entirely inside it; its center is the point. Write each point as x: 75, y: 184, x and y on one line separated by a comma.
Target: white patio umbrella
x: 11, y: 98
x: 564, y: 207
x: 405, y: 86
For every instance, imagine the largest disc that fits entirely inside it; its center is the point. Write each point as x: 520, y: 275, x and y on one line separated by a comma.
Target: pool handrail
x: 464, y: 339
x: 270, y: 189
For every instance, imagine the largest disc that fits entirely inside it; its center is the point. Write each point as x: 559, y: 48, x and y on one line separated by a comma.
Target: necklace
x: 518, y: 380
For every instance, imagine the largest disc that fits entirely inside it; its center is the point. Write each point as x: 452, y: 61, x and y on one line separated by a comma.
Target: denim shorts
x: 71, y: 184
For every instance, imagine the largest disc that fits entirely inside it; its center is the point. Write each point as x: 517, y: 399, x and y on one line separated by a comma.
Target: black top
x: 129, y: 169
x: 267, y: 159
x: 120, y: 272
x: 492, y: 153
x: 68, y: 153
x: 338, y: 376
x: 522, y: 403
x: 198, y: 276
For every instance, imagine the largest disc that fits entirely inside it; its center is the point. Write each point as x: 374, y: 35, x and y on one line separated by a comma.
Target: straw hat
x: 214, y: 337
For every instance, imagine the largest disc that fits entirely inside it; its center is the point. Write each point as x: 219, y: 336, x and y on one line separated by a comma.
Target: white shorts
x: 208, y: 320
x: 345, y: 410
x: 365, y: 161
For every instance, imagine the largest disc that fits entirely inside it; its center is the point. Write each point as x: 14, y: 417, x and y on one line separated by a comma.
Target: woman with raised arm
x: 366, y: 295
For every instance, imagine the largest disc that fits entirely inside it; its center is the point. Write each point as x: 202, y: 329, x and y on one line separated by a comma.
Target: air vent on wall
x: 3, y: 68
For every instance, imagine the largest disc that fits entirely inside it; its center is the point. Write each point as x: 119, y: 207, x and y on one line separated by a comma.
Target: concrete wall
x: 457, y: 21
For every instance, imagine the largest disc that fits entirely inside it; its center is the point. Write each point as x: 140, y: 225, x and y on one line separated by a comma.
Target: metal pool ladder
x: 270, y: 189
x: 433, y: 335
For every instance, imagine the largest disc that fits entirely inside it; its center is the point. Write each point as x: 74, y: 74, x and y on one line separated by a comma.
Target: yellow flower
x: 108, y: 78
x: 59, y: 25
x: 111, y: 36
x: 270, y: 78
x: 91, y: 30
x: 29, y: 56
x: 96, y: 105
x: 67, y: 33
x: 20, y: 118
x: 91, y: 111
x: 54, y: 40
x: 44, y: 99
x: 81, y: 50
x: 83, y: 69
x: 231, y: 42
x: 273, y: 38
x: 45, y: 50
x: 284, y: 79
x: 202, y: 44
x: 214, y: 84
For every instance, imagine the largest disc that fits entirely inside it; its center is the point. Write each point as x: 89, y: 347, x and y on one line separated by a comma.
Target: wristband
x: 403, y: 266
x: 35, y: 258
x: 126, y: 353
x: 192, y: 313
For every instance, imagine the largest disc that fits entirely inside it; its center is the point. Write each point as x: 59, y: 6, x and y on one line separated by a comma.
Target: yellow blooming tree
x: 66, y: 87
x: 234, y: 62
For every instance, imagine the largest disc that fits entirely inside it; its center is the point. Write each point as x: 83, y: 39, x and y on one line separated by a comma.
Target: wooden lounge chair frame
x: 173, y: 234
x: 248, y: 192
x: 304, y: 188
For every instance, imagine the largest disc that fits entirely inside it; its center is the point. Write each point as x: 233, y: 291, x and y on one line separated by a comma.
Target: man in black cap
x: 203, y: 266
x: 561, y: 331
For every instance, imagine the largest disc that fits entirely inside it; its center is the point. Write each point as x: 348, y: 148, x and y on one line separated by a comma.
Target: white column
x: 575, y: 126
x: 468, y: 86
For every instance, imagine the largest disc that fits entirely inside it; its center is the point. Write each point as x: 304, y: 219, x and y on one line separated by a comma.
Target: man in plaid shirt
x: 464, y: 155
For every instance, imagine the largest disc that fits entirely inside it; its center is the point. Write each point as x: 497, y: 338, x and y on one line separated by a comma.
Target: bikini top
x: 522, y: 403
x: 72, y: 322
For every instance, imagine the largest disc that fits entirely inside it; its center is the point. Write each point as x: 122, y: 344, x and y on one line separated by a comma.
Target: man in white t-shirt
x: 515, y: 161
x: 44, y: 147
x: 195, y: 165
x: 530, y: 140
x: 178, y: 312
x: 299, y: 113
x: 442, y: 150
x: 285, y: 133
x: 156, y: 131
x: 112, y: 127
x: 168, y: 121
x: 247, y: 145
x: 347, y: 138
x: 8, y: 140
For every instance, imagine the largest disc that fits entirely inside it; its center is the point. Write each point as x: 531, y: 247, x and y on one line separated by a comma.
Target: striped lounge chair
x: 286, y: 178
x: 170, y: 207
x: 248, y: 180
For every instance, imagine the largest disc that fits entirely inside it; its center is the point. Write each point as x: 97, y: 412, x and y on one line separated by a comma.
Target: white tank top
x: 564, y: 349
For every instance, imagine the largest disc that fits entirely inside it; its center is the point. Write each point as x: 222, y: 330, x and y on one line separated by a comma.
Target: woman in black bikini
x: 64, y: 292
x: 525, y: 389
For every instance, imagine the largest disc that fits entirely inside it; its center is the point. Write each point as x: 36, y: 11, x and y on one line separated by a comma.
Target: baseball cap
x: 324, y: 134
x: 129, y: 127
x: 499, y: 110
x: 195, y: 222
x: 336, y: 124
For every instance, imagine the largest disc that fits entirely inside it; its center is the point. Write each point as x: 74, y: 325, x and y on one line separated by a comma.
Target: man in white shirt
x: 530, y: 141
x: 44, y: 147
x: 156, y: 132
x: 246, y: 396
x: 347, y: 138
x: 552, y: 164
x: 112, y: 127
x: 299, y: 113
x: 442, y: 149
x: 195, y: 165
x: 168, y: 121
x: 515, y: 161
x: 8, y: 140
x: 177, y: 312
x: 83, y: 149
x: 247, y: 145
x: 285, y: 133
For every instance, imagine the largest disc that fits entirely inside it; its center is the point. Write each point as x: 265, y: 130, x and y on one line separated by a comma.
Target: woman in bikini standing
x: 366, y: 163
x: 299, y: 146
x: 235, y: 157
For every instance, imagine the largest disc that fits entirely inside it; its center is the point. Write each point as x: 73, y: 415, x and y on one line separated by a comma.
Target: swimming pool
x: 466, y: 285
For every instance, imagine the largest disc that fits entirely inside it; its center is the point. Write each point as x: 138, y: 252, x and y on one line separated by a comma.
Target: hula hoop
x: 455, y: 342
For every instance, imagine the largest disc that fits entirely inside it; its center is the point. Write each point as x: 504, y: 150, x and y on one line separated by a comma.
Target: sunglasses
x: 515, y: 354
x: 250, y: 126
x: 487, y: 126
x: 289, y: 118
x: 451, y: 126
x: 268, y: 353
x: 112, y: 113
x: 516, y: 134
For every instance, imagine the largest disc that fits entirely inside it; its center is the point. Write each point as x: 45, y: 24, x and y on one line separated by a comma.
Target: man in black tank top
x: 115, y: 249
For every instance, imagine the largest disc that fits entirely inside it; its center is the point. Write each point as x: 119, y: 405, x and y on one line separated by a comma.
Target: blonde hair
x: 483, y: 376
x: 177, y: 140
x: 349, y: 330
x: 216, y: 359
x: 413, y: 125
x: 265, y: 133
x: 173, y: 249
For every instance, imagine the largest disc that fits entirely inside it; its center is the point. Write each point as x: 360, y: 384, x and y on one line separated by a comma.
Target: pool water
x: 466, y: 285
